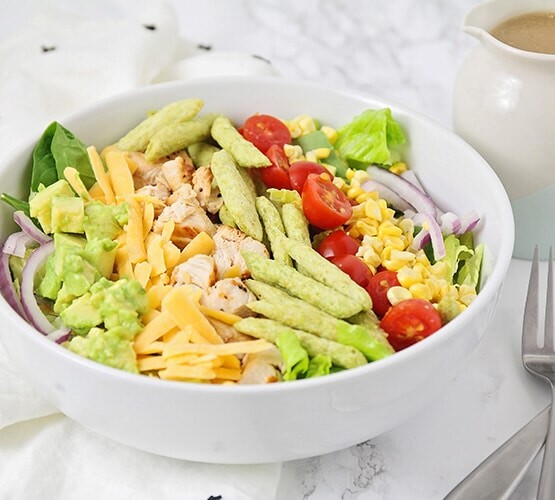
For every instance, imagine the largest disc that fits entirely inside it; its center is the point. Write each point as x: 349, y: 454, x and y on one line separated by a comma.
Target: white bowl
x: 285, y: 421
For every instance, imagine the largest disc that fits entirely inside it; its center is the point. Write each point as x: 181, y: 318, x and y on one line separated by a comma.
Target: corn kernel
x: 338, y: 181
x: 306, y: 124
x: 349, y: 174
x: 408, y: 276
x: 421, y: 291
x: 397, y: 294
x: 363, y: 196
x: 398, y: 168
x: 331, y: 169
x: 330, y: 133
x: 311, y: 156
x: 293, y: 153
x: 295, y: 131
x: 322, y: 153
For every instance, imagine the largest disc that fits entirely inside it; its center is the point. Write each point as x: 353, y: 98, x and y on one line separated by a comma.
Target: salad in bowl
x: 202, y: 250
x: 277, y: 270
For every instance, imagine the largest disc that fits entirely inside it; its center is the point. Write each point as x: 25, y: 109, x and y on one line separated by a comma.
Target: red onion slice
x: 26, y: 225
x: 410, y: 176
x: 450, y: 223
x: 468, y: 222
x: 60, y: 335
x: 386, y: 194
x: 7, y: 288
x: 28, y: 299
x: 421, y: 239
x: 429, y: 224
x: 17, y: 244
x: 403, y: 188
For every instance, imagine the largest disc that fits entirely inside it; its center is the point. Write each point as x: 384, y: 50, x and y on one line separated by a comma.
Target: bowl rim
x: 494, y: 281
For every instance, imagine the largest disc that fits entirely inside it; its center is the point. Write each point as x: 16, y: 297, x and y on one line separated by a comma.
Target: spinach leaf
x: 57, y: 149
x: 15, y: 202
x: 69, y: 151
x: 44, y: 166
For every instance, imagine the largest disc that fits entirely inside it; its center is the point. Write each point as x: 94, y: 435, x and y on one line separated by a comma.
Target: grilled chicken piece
x: 199, y: 270
x: 262, y: 367
x: 229, y: 295
x: 186, y: 194
x: 159, y: 191
x: 228, y: 333
x: 178, y: 171
x: 229, y: 243
x: 189, y: 218
x: 147, y: 173
x: 208, y: 196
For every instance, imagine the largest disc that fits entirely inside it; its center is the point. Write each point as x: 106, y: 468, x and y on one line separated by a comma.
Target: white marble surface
x: 408, y: 52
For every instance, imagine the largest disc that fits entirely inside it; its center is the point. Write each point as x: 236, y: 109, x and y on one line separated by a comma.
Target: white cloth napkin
x: 71, y: 54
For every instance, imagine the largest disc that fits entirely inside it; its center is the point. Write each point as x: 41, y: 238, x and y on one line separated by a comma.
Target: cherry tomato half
x: 354, y: 267
x: 324, y: 204
x: 410, y: 321
x: 338, y: 243
x: 378, y: 286
x: 298, y: 172
x: 277, y: 175
x: 266, y: 130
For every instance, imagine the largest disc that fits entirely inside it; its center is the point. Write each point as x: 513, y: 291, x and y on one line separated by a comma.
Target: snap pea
x: 341, y: 355
x: 177, y: 112
x: 243, y: 151
x: 301, y: 286
x: 236, y: 194
x: 273, y: 225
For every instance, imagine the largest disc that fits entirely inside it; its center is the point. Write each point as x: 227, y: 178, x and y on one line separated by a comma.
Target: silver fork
x: 538, y: 357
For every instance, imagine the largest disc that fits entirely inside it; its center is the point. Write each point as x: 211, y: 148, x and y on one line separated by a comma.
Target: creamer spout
x: 478, y: 21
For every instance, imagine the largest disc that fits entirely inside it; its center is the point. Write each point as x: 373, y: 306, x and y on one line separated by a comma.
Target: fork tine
x: 530, y: 324
x: 548, y: 330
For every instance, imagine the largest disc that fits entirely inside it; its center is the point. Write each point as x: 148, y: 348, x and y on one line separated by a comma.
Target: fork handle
x: 546, y: 490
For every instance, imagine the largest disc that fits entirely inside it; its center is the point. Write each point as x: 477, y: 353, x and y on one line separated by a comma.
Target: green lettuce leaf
x: 295, y: 358
x: 283, y: 196
x: 369, y: 137
x: 469, y: 274
x: 455, y: 253
x: 319, y: 365
x: 373, y: 346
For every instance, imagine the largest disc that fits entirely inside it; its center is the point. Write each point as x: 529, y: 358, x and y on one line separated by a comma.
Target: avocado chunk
x: 101, y: 253
x: 68, y: 274
x: 118, y: 307
x: 121, y: 303
x: 40, y: 205
x: 81, y: 315
x: 67, y: 215
x: 104, y: 221
x: 78, y: 274
x: 106, y: 347
x: 63, y: 299
x: 317, y: 140
x: 51, y: 282
x: 313, y: 140
x: 52, y: 278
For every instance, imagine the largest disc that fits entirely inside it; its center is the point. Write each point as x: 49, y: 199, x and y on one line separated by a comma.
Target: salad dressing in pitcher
x: 504, y: 106
x: 534, y: 32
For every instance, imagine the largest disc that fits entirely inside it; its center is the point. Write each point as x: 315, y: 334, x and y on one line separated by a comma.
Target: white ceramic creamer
x: 504, y: 106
